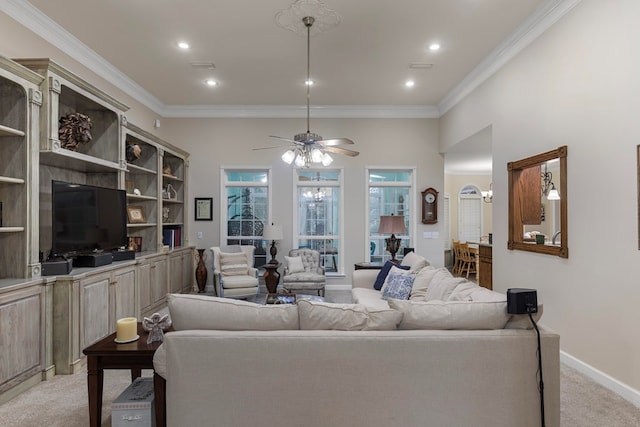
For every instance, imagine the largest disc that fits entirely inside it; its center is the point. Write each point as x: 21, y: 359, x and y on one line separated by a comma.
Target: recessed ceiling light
x: 211, y: 82
x: 309, y: 82
x: 434, y: 46
x: 409, y: 83
x: 183, y: 45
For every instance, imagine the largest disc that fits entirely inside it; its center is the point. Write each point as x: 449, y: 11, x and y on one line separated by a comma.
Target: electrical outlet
x: 199, y: 234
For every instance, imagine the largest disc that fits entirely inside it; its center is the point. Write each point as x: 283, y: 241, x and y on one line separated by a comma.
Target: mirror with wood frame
x: 538, y: 203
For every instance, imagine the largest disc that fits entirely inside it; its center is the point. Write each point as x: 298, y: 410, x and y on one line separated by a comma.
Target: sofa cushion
x: 469, y: 291
x: 441, y: 286
x: 294, y: 264
x: 316, y: 315
x: 384, y: 272
x: 398, y: 284
x: 422, y: 281
x: 233, y: 264
x: 204, y: 312
x: 160, y: 361
x: 369, y: 297
x: 414, y: 261
x: 451, y: 315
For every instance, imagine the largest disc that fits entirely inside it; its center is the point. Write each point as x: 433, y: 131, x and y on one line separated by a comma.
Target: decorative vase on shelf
x: 201, y: 271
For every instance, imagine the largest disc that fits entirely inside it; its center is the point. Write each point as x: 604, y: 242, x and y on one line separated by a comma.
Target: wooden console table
x: 136, y: 356
x: 368, y: 265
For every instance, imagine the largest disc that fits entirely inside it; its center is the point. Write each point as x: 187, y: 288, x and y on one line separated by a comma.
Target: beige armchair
x: 233, y: 273
x: 310, y: 277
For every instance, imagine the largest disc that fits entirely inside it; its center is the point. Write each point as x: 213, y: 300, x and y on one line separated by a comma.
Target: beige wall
x: 575, y: 85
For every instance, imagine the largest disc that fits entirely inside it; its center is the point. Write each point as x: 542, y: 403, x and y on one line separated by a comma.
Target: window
x: 390, y: 192
x: 469, y: 214
x: 247, y: 209
x: 319, y: 215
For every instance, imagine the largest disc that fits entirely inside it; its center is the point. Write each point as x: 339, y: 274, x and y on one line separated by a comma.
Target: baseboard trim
x: 627, y: 393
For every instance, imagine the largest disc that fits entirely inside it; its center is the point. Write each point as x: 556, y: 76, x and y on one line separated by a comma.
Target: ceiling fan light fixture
x: 300, y: 161
x: 316, y: 155
x: 289, y: 156
x: 326, y: 160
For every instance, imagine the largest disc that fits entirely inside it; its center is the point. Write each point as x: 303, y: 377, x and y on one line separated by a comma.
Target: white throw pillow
x: 345, y: 317
x: 294, y: 264
x: 414, y: 261
x: 233, y: 264
x: 451, y: 315
x: 204, y: 312
x: 469, y: 291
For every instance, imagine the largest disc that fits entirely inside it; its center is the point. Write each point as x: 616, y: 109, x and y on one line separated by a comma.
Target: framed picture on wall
x: 204, y: 209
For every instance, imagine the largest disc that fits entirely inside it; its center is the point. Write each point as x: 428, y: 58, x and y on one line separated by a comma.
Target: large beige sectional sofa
x: 233, y: 363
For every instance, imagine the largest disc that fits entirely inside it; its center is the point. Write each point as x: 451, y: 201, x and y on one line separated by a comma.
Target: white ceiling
x: 360, y: 66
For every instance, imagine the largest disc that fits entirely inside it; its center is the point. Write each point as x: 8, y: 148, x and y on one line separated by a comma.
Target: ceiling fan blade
x: 335, y: 141
x: 339, y: 150
x: 267, y: 148
x: 283, y: 138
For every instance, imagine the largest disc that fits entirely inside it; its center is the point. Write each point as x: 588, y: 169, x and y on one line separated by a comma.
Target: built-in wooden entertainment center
x: 46, y: 321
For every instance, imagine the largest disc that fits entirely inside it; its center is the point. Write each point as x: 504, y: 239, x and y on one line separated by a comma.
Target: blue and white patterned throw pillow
x: 398, y: 285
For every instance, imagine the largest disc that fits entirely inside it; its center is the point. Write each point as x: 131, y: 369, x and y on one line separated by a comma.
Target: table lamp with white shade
x: 273, y: 233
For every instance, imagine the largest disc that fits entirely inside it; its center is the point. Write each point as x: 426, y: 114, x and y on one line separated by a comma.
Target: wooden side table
x: 271, y: 276
x: 368, y: 265
x: 136, y: 356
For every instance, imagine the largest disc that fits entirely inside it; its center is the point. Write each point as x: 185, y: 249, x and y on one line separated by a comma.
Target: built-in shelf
x: 7, y: 131
x: 140, y: 197
x: 9, y: 180
x: 171, y: 223
x: 133, y: 168
x: 172, y: 177
x: 176, y: 201
x: 142, y: 225
x: 11, y: 229
x: 73, y: 160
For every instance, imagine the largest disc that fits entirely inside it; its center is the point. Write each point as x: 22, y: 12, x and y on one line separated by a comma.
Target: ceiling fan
x: 309, y: 148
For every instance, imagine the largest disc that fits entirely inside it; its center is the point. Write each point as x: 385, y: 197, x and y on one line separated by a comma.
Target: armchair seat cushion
x: 305, y: 276
x: 231, y: 282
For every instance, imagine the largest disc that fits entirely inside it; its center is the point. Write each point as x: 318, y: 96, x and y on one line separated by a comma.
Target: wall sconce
x: 548, y: 187
x: 487, y: 196
x: 392, y: 224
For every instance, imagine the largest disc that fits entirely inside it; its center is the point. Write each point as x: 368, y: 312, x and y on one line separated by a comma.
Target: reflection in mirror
x: 537, y: 203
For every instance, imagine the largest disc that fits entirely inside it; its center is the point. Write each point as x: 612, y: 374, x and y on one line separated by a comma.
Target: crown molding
x: 300, y: 111
x: 537, y: 23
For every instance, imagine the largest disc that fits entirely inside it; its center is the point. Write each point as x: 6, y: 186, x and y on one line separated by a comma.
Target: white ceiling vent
x: 203, y: 64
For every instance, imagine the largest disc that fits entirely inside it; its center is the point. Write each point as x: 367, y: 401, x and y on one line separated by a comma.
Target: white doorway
x: 469, y: 214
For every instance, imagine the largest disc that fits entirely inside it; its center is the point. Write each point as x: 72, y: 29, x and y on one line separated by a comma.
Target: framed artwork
x: 204, y: 209
x: 135, y: 214
x: 135, y: 243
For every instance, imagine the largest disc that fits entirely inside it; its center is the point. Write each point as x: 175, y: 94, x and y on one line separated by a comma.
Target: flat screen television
x: 87, y: 218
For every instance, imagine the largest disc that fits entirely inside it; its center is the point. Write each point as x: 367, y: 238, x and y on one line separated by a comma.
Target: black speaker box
x: 123, y: 255
x: 522, y: 301
x: 93, y: 260
x: 57, y: 267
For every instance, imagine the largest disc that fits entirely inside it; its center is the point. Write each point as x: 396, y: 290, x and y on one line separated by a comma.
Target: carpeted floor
x: 62, y: 401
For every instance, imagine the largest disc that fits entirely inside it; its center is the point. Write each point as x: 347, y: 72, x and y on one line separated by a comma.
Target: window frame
x: 413, y: 198
x: 225, y: 183
x: 297, y: 184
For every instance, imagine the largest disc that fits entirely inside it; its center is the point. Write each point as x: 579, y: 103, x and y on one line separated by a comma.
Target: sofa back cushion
x: 414, y: 261
x: 451, y: 315
x: 346, y: 317
x: 204, y: 312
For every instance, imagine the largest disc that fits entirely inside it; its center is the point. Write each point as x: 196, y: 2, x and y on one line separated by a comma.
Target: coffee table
x: 136, y: 356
